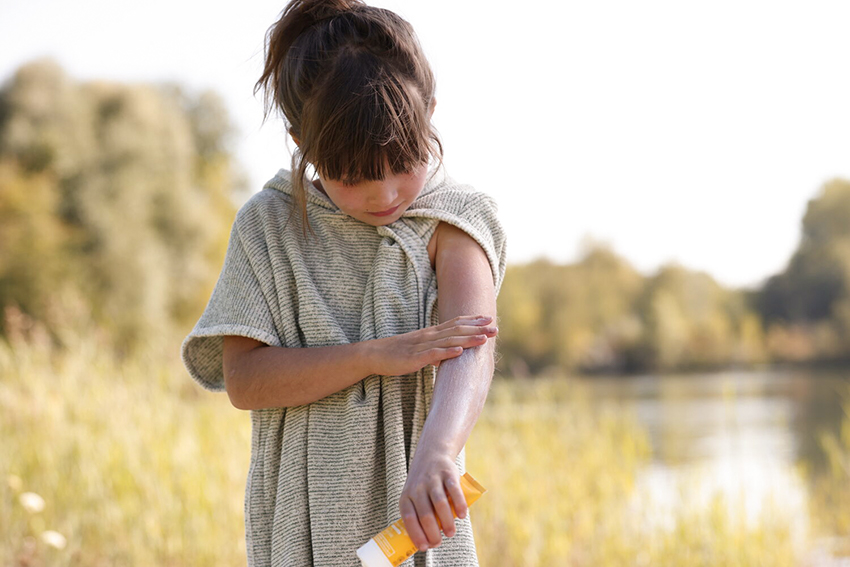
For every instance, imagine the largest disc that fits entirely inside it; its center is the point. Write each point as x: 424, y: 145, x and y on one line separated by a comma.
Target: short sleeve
x: 237, y: 306
x: 474, y: 212
x: 480, y: 220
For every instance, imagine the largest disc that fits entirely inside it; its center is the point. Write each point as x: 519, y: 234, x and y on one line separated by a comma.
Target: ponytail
x: 298, y: 16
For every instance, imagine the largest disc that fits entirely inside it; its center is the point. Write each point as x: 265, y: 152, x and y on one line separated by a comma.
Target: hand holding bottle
x: 393, y: 545
x: 431, y: 497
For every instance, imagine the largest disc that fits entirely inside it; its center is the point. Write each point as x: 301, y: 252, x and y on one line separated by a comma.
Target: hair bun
x: 321, y: 9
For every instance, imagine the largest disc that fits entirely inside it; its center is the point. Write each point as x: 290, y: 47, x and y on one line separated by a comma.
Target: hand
x: 408, y: 352
x: 432, y: 483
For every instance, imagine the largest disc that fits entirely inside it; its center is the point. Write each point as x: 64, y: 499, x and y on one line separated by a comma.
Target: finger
x: 443, y: 510
x: 437, y: 355
x: 461, y: 341
x: 425, y: 512
x: 411, y: 524
x: 465, y: 320
x: 465, y: 330
x: 456, y: 494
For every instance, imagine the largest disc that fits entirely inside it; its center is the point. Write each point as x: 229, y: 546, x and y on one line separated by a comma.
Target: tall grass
x: 830, y: 498
x: 136, y: 465
x: 562, y: 473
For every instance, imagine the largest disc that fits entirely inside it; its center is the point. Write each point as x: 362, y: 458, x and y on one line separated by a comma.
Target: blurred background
x: 673, y: 384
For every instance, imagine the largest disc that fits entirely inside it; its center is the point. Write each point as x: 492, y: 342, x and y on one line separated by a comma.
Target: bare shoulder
x: 447, y: 235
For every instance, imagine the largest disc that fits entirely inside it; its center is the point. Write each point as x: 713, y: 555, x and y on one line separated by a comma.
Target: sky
x: 688, y: 132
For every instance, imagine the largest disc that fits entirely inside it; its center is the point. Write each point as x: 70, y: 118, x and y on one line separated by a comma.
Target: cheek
x: 342, y: 198
x: 351, y: 204
x: 413, y: 191
x: 353, y: 200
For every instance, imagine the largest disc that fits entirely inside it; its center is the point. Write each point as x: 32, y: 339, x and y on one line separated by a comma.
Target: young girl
x: 325, y: 320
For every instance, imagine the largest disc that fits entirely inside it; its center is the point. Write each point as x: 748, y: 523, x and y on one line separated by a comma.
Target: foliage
x: 813, y: 293
x: 602, y: 315
x: 120, y: 193
x: 122, y: 196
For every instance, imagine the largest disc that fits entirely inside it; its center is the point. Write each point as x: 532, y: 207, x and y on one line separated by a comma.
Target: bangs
x: 370, y: 125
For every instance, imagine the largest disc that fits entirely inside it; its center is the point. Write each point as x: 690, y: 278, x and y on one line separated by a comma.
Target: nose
x: 383, y: 196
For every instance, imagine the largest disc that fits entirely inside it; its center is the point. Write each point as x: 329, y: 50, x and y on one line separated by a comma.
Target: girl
x: 324, y: 321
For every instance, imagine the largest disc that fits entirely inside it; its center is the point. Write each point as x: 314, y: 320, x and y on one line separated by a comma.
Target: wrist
x: 364, y: 356
x: 428, y: 448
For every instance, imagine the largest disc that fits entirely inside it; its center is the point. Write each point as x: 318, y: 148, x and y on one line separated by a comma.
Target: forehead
x: 376, y: 166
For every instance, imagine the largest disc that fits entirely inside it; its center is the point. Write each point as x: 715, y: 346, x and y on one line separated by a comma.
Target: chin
x: 383, y: 221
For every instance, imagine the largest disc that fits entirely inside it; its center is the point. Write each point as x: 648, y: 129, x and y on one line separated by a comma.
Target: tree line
x: 116, y: 202
x: 601, y: 315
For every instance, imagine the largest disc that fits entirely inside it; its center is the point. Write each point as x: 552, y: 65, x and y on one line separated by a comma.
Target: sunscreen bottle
x: 392, y: 546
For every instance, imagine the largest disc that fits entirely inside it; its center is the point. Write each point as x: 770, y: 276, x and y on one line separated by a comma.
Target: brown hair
x: 354, y: 88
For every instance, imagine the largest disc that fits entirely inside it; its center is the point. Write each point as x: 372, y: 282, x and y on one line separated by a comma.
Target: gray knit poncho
x: 326, y: 476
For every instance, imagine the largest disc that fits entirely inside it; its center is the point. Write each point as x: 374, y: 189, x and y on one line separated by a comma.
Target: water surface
x: 742, y: 433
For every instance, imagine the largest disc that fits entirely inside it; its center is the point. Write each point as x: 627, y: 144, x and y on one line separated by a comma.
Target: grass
x: 830, y: 495
x: 563, y: 477
x: 136, y: 465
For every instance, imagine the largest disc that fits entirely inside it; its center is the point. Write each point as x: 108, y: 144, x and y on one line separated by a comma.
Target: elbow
x: 244, y: 398
x: 234, y: 387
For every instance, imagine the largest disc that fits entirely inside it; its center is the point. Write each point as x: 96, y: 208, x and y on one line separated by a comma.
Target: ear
x: 433, y: 106
x: 295, y: 138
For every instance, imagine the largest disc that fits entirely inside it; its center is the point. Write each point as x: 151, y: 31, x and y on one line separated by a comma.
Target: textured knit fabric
x: 325, y: 477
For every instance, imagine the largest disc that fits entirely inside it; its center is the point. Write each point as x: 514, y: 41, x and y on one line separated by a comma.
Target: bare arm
x: 465, y: 283
x: 258, y: 380
x: 259, y: 376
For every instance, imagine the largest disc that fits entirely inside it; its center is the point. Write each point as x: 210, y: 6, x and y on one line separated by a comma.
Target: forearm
x: 460, y: 391
x: 465, y: 284
x: 282, y: 377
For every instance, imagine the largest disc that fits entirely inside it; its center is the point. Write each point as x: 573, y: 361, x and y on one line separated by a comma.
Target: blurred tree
x: 29, y: 229
x: 600, y: 315
x: 123, y: 195
x: 125, y: 192
x: 814, y: 289
x: 568, y: 317
x: 691, y: 320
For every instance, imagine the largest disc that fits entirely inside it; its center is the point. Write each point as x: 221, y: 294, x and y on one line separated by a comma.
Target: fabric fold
x: 325, y: 477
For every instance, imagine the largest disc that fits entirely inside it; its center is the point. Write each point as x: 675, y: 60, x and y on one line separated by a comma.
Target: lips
x: 385, y: 213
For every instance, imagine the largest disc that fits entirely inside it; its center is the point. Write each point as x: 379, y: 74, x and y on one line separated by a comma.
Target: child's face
x: 363, y: 200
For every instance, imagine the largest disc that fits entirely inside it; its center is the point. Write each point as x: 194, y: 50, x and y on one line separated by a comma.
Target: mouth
x: 385, y: 213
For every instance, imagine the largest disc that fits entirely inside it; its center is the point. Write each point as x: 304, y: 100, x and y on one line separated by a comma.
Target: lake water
x: 743, y: 433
